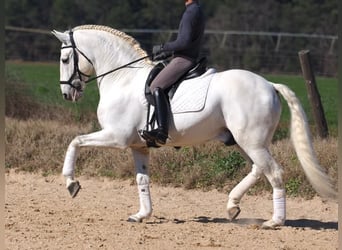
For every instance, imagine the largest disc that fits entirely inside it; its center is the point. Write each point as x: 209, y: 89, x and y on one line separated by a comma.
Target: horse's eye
x: 65, y: 60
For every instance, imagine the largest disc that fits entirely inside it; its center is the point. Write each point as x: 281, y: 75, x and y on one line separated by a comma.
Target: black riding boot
x: 159, y: 134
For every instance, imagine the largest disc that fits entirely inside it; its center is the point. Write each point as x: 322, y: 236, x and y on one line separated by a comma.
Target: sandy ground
x: 41, y: 215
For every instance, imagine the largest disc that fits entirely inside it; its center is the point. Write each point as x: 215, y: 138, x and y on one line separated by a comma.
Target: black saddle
x: 196, y: 71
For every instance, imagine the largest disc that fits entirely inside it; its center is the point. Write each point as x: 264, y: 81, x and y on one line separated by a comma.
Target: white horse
x: 236, y: 103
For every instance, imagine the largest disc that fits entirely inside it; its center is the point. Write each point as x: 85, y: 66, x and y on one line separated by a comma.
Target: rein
x: 118, y: 68
x: 80, y: 73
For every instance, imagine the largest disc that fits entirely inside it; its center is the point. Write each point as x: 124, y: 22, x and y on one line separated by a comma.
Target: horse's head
x: 75, y: 67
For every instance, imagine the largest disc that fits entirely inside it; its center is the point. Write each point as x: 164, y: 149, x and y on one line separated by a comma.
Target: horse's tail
x: 301, y: 139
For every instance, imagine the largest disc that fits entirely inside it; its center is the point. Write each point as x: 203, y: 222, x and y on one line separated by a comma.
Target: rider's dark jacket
x: 190, y: 33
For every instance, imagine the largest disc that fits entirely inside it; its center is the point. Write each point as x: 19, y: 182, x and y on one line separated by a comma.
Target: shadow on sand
x: 300, y: 223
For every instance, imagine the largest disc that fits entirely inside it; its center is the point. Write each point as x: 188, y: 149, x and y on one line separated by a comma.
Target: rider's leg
x: 160, y: 134
x: 177, y: 67
x: 168, y: 76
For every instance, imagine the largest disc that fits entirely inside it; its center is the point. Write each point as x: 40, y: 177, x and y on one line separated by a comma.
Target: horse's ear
x: 63, y: 37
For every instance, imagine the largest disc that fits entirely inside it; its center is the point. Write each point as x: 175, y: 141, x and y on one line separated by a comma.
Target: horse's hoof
x: 233, y: 213
x: 271, y: 224
x: 74, y: 188
x: 134, y: 218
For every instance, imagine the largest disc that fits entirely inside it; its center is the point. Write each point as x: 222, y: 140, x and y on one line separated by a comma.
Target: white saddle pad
x: 192, y: 94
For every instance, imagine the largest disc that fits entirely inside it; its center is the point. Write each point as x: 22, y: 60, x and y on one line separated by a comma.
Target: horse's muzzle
x: 73, y: 95
x: 72, y: 91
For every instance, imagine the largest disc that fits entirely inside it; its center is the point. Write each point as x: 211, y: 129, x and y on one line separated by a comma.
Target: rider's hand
x: 162, y: 56
x: 157, y: 49
x: 158, y: 54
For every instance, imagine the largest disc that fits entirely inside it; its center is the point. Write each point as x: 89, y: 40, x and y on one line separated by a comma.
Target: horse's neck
x: 111, y: 52
x: 127, y: 79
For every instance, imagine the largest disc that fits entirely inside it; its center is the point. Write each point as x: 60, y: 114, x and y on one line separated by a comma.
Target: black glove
x: 158, y: 54
x: 162, y: 56
x: 157, y: 49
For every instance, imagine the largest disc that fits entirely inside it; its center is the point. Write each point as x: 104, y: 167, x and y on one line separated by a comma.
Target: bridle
x: 78, y: 72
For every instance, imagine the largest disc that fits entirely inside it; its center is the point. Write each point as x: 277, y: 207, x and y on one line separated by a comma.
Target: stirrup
x: 149, y: 141
x: 156, y: 135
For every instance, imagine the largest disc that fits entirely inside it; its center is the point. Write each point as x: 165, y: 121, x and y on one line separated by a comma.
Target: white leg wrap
x: 279, y: 206
x: 144, y: 196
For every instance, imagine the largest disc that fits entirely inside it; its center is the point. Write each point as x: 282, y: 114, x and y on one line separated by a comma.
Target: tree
x: 296, y: 16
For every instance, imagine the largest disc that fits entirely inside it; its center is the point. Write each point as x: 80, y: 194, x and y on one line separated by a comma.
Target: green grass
x: 327, y: 88
x: 42, y: 80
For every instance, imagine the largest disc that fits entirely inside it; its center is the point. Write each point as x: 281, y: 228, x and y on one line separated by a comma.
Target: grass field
x: 42, y: 80
x: 39, y: 145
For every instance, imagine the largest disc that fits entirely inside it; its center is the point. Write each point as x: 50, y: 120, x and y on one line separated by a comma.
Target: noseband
x: 77, y: 70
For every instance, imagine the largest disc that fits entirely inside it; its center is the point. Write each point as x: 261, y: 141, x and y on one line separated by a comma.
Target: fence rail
x: 254, y: 50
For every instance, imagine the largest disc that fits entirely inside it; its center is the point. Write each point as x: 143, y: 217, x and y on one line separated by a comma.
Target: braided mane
x: 134, y: 43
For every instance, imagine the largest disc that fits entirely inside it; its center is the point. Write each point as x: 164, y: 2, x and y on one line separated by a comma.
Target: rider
x: 185, y: 51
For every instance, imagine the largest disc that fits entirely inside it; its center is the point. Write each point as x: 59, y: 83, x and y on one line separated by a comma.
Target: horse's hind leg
x: 273, y: 172
x: 239, y: 190
x: 274, y: 175
x: 141, y: 158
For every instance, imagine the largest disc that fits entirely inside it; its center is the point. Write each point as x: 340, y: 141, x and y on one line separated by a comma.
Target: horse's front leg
x: 141, y: 160
x: 72, y: 185
x: 103, y: 138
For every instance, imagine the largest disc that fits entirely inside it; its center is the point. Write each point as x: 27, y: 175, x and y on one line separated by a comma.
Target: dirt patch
x: 41, y: 215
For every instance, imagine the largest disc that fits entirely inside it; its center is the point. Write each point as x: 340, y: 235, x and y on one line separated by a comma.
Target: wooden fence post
x: 313, y: 94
